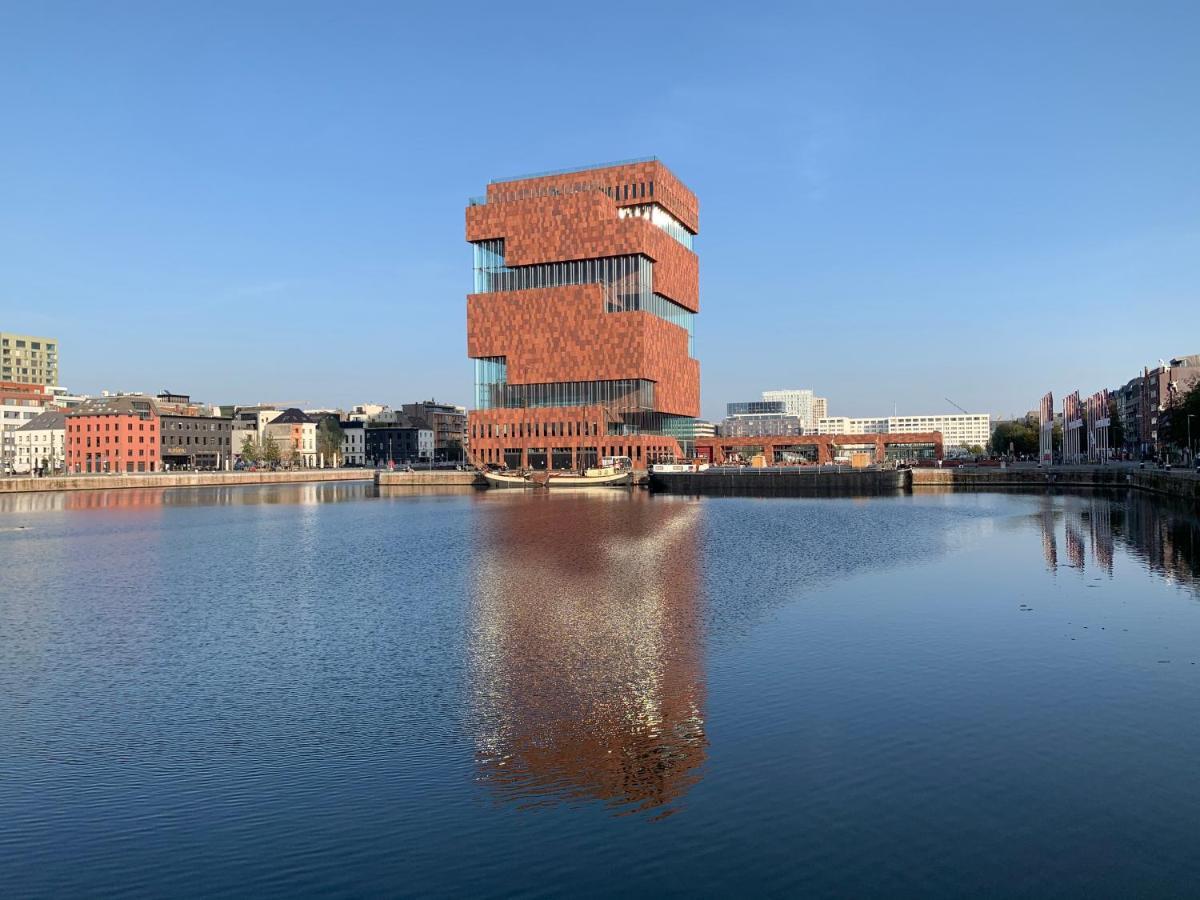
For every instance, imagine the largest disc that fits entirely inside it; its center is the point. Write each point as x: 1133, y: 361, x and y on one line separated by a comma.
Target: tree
x: 251, y: 452
x: 1173, y: 421
x: 329, y: 438
x: 270, y: 450
x: 1021, y: 435
x: 1116, y: 429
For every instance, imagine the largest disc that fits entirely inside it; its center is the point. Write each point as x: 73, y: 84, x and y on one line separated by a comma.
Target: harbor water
x: 323, y: 689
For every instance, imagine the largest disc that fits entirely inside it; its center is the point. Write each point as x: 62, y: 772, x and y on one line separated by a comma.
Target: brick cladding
x: 564, y: 334
x: 491, y: 431
x: 669, y: 191
x: 586, y: 226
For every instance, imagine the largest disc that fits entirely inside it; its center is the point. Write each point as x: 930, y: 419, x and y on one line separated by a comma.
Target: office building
x: 820, y: 410
x: 960, y: 430
x: 26, y: 359
x: 580, y: 323
x: 799, y: 403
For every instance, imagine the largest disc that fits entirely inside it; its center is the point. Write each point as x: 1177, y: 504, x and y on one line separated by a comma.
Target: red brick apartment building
x: 580, y: 325
x: 113, y: 434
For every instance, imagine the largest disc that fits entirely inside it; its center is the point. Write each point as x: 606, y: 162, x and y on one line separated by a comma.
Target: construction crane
x: 956, y: 406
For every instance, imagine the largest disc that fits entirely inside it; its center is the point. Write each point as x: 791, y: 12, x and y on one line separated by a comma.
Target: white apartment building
x: 797, y: 403
x: 958, y: 430
x: 702, y: 428
x: 354, y: 443
x: 41, y: 438
x: 19, y: 403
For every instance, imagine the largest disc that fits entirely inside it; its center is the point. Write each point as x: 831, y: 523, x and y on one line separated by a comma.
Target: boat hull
x: 558, y: 482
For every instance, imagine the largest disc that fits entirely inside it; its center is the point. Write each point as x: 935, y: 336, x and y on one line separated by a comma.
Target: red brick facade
x: 718, y: 449
x: 112, y: 443
x: 552, y: 335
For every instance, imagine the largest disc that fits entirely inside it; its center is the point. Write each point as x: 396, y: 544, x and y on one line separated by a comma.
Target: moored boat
x: 602, y: 476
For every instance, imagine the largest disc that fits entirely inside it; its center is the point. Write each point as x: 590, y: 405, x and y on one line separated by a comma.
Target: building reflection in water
x: 143, y: 498
x: 1163, y: 534
x: 587, y: 649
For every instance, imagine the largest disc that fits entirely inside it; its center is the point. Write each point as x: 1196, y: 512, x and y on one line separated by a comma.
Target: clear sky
x: 900, y: 202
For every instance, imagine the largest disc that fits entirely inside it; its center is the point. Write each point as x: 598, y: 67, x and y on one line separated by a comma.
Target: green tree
x: 251, y: 452
x: 270, y: 450
x: 329, y: 439
x: 1019, y: 437
x: 1116, y: 428
x: 1173, y: 421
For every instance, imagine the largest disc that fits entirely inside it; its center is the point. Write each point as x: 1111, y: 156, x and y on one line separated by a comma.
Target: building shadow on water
x: 1163, y: 534
x: 587, y: 668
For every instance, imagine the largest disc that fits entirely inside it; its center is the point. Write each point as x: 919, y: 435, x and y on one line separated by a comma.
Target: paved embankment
x: 1183, y: 485
x: 177, y: 480
x: 426, y: 478
x: 781, y: 482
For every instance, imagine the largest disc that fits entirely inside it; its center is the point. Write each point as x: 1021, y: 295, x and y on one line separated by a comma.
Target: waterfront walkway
x: 178, y: 479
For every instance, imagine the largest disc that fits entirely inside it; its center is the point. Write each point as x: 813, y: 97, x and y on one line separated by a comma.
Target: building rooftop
x: 292, y: 416
x: 574, y: 169
x: 50, y: 420
x: 124, y: 405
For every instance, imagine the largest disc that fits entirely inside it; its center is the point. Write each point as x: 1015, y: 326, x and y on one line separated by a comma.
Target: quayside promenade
x: 1178, y: 483
x: 177, y: 480
x: 833, y: 481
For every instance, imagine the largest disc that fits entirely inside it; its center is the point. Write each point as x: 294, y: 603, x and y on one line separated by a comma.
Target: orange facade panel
x: 626, y: 185
x: 586, y: 226
x: 564, y: 334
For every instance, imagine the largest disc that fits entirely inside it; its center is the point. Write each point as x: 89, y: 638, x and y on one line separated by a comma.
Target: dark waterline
x: 309, y: 689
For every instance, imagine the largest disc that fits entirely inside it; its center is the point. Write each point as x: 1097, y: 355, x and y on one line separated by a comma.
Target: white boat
x: 676, y: 468
x: 604, y: 476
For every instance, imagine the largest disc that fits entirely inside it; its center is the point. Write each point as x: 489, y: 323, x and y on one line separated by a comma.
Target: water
x: 294, y: 690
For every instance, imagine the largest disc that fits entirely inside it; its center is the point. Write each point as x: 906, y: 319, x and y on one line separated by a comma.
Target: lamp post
x: 1191, y: 453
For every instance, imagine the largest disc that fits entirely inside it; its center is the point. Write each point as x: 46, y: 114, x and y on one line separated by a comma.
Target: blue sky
x: 900, y: 202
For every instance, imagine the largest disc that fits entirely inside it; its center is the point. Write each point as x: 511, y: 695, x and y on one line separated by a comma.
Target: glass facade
x: 492, y: 391
x: 627, y: 282
x: 660, y: 218
x: 754, y: 408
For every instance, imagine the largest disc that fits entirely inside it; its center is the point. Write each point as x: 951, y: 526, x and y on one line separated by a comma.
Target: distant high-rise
x: 26, y: 359
x: 580, y: 324
x: 798, y: 403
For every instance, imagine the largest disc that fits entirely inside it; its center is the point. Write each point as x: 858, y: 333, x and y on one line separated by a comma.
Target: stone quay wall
x: 1183, y: 485
x: 426, y: 478
x: 177, y: 480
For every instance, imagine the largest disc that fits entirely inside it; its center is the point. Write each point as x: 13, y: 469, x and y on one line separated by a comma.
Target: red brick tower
x: 580, y: 326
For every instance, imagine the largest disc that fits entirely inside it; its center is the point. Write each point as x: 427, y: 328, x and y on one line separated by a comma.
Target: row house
x: 40, y: 444
x: 295, y: 433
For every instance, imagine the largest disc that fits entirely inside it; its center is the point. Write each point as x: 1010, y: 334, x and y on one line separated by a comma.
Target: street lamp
x: 1191, y: 453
